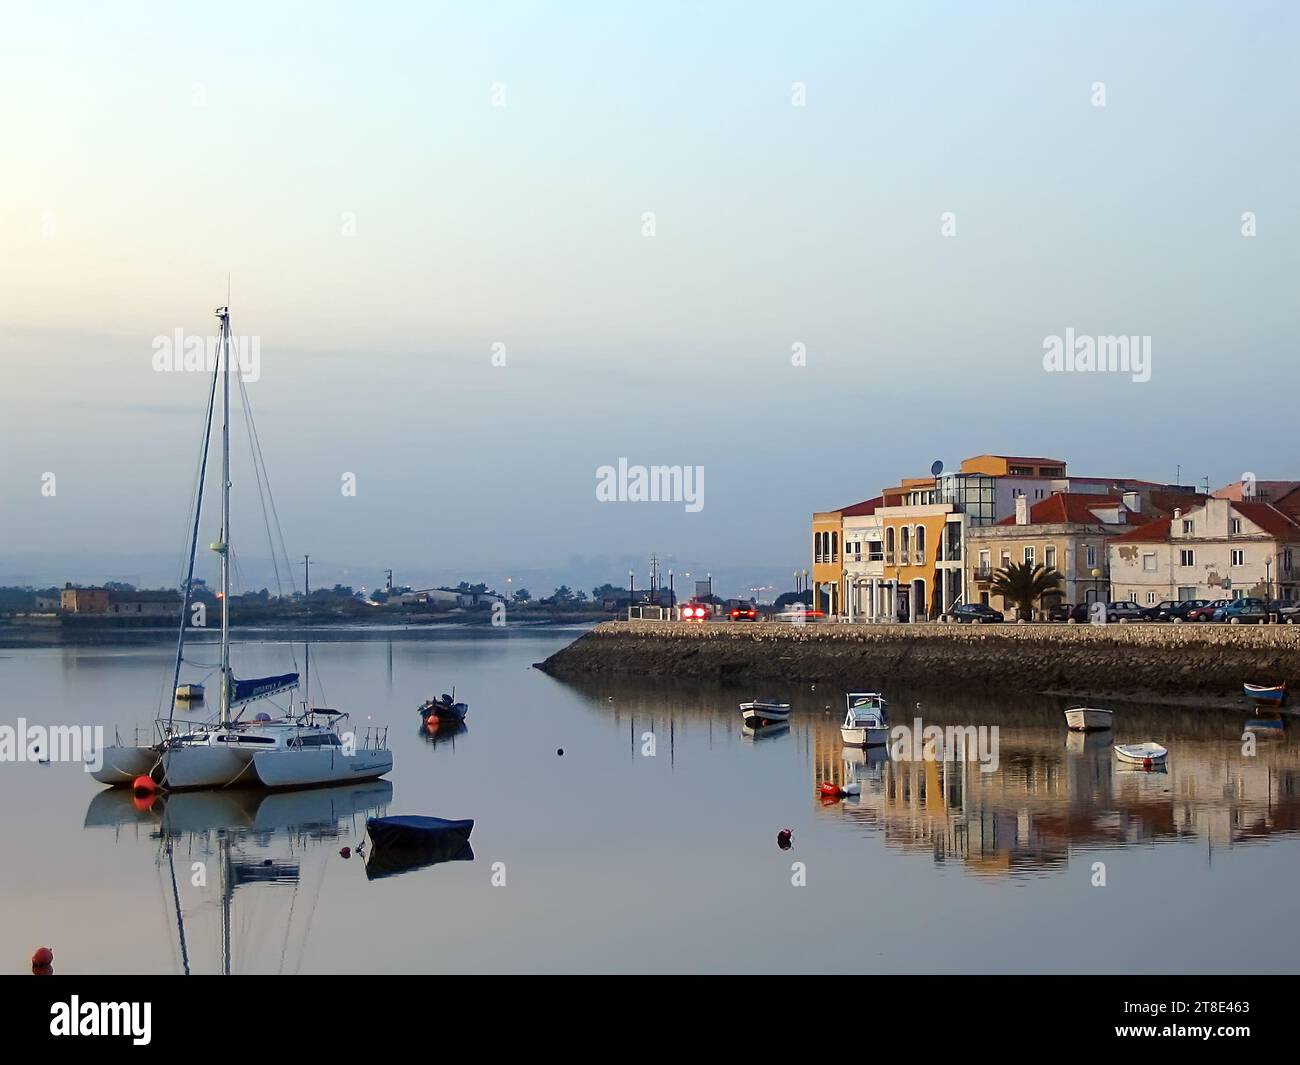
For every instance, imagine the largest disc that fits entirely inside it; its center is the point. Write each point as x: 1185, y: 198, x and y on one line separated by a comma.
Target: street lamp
x: 1096, y: 578
x: 672, y: 598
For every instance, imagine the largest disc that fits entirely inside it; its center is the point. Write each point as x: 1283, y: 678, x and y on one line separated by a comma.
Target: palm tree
x: 1024, y: 583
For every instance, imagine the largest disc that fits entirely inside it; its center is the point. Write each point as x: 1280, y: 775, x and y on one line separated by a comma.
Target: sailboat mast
x: 224, y: 315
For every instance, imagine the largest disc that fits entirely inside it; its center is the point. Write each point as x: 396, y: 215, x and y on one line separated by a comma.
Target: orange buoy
x: 144, y: 785
x: 346, y: 852
x: 42, y: 958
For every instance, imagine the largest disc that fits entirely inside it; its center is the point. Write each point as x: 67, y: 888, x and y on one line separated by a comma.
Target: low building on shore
x: 116, y: 603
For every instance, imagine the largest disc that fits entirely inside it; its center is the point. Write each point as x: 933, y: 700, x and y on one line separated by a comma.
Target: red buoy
x: 346, y: 852
x: 1147, y: 763
x: 144, y: 785
x: 42, y: 958
x: 831, y: 790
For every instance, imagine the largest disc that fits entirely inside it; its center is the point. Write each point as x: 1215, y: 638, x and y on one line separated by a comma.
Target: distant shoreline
x: 63, y: 631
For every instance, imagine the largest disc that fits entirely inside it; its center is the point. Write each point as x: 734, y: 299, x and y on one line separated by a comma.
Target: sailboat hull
x: 123, y: 764
x: 203, y: 766
x: 326, y: 765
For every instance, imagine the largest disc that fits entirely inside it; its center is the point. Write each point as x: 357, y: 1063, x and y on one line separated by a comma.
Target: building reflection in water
x: 1053, y: 790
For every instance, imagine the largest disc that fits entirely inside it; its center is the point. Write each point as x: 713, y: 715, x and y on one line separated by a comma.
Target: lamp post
x: 672, y: 598
x: 1096, y: 581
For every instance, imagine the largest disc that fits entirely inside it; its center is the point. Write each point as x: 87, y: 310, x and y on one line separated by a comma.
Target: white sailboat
x: 292, y: 751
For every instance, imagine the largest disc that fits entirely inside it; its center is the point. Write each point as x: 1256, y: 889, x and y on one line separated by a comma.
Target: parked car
x: 1289, y: 613
x: 1161, y: 611
x: 968, y: 613
x: 1178, y: 612
x: 1205, y: 612
x: 794, y: 615
x: 743, y: 612
x: 1063, y: 612
x: 1122, y: 611
x: 1243, y: 612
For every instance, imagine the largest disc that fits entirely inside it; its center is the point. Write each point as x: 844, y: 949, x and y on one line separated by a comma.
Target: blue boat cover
x: 414, y: 823
x: 245, y: 691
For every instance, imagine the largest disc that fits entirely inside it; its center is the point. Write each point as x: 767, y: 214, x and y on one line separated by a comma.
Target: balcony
x: 982, y: 573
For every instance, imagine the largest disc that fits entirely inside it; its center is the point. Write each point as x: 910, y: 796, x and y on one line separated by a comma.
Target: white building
x: 1224, y: 549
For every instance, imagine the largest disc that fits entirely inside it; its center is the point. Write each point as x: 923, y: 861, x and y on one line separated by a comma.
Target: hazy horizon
x: 395, y: 192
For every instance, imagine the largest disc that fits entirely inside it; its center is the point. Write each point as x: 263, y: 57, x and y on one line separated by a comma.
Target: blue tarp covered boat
x: 402, y: 844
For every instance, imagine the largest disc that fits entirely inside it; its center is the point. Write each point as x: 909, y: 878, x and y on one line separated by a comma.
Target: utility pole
x: 388, y: 586
x: 654, y: 572
x: 306, y: 576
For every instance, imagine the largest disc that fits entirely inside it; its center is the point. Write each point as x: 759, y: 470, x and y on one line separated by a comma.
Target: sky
x: 912, y: 196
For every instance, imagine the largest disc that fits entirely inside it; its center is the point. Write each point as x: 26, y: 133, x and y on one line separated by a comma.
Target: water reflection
x: 214, y: 847
x: 1053, y: 791
x: 1231, y: 779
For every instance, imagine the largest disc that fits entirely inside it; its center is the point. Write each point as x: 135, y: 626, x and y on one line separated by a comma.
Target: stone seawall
x: 1166, y: 662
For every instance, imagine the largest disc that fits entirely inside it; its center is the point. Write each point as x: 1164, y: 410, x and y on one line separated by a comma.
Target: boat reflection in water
x: 260, y: 843
x: 442, y: 732
x: 1052, y: 793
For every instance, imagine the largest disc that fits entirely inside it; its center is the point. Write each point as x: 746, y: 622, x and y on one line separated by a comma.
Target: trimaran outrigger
x: 292, y: 751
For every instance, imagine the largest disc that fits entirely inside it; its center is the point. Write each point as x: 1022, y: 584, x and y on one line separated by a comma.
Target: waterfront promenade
x: 1174, y: 663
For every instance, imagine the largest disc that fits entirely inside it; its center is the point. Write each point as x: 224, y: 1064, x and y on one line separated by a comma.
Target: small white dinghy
x: 1143, y: 754
x: 1087, y: 718
x: 763, y: 712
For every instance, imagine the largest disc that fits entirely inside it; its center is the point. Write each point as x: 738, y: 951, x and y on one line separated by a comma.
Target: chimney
x: 1022, y: 510
x: 1133, y: 500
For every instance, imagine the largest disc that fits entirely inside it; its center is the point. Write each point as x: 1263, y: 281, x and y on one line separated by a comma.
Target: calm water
x: 614, y: 861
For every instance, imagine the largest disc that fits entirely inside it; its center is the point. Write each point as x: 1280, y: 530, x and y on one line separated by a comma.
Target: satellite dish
x: 937, y: 468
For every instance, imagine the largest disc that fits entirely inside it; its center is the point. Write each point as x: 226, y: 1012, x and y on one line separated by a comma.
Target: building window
x: 1185, y: 594
x: 1049, y: 558
x: 889, y: 545
x: 1092, y: 556
x: 905, y: 545
x: 1236, y: 526
x: 835, y: 547
x: 1149, y: 563
x: 1286, y: 560
x: 1132, y: 597
x: 986, y: 564
x: 1237, y: 593
x: 1187, y: 527
x: 1030, y: 555
x: 1187, y: 558
x: 1006, y: 559
x: 920, y: 545
x: 1151, y: 598
x: 1238, y: 556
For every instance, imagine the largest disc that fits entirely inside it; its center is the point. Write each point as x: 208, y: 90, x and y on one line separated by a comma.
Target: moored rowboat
x: 1143, y: 754
x: 762, y: 712
x: 1087, y: 718
x: 1274, y: 694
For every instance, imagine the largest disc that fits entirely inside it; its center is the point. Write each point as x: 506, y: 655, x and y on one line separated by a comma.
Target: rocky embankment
x: 1172, y: 663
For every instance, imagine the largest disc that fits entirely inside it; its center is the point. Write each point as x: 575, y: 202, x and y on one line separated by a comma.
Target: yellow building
x: 828, y: 550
